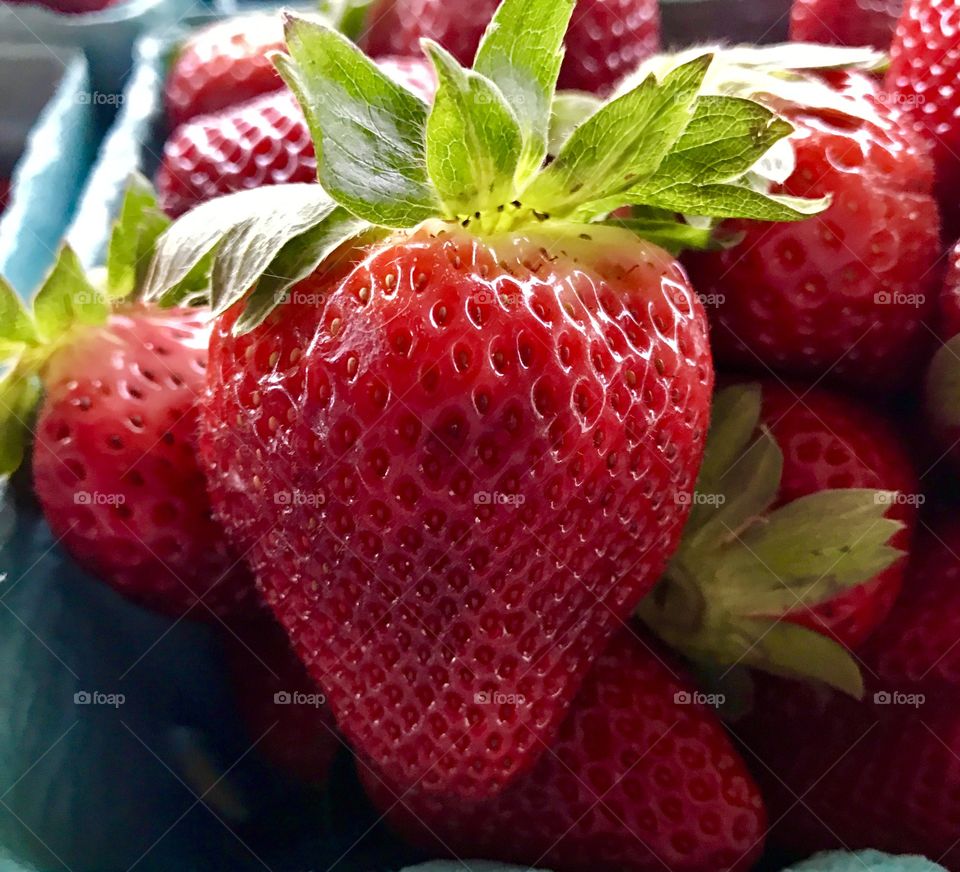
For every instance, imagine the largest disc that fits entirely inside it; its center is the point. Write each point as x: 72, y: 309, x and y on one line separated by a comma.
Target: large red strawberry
x: 844, y: 22
x: 114, y: 454
x: 884, y: 773
x: 223, y: 64
x: 264, y: 141
x: 285, y: 713
x: 463, y: 447
x: 845, y: 294
x: 924, y: 66
x: 607, y: 38
x: 641, y: 777
x: 803, y: 501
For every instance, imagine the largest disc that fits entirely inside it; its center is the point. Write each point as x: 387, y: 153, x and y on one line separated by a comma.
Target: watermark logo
x: 495, y: 498
x: 912, y: 700
x: 98, y: 98
x: 98, y: 498
x: 298, y: 697
x: 896, y: 498
x: 696, y: 697
x: 298, y: 498
x: 96, y: 697
x: 898, y: 298
x: 486, y: 697
x: 700, y: 499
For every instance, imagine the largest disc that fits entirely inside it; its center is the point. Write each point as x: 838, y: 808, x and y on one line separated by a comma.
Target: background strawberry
x: 440, y: 362
x: 69, y: 7
x: 264, y: 141
x: 284, y: 711
x: 885, y: 772
x: 845, y: 22
x: 641, y: 777
x: 223, y: 64
x: 607, y: 38
x: 830, y: 440
x: 924, y: 65
x: 941, y: 396
x: 114, y: 453
x: 843, y: 295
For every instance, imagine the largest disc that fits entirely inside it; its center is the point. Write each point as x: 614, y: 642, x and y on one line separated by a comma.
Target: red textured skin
x: 264, y: 141
x: 397, y: 403
x: 801, y: 298
x: 297, y: 736
x: 924, y: 67
x: 845, y: 22
x: 606, y: 40
x: 830, y: 440
x: 222, y: 65
x: 637, y: 780
x: 115, y: 466
x: 68, y: 7
x: 875, y: 774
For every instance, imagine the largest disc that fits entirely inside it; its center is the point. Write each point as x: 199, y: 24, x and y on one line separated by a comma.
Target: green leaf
x: 619, y: 146
x: 793, y: 651
x: 570, y: 110
x: 669, y: 233
x: 295, y: 261
x: 727, y: 201
x: 19, y: 393
x: 725, y: 138
x: 942, y: 387
x: 67, y: 298
x: 16, y: 325
x: 134, y: 235
x: 183, y: 253
x: 473, y: 139
x: 521, y: 53
x: 369, y: 131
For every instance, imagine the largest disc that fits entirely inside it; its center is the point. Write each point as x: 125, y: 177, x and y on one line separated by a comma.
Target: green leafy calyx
x: 477, y: 156
x: 746, y: 570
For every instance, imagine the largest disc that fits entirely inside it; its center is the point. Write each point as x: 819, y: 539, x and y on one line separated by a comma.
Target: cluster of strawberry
x: 450, y: 419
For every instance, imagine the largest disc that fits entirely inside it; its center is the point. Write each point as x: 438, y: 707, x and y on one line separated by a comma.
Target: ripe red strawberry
x: 833, y: 441
x: 924, y: 66
x: 284, y: 711
x: 884, y: 773
x: 607, y: 38
x: 223, y: 64
x: 844, y: 294
x: 264, y: 141
x: 114, y: 453
x: 844, y: 22
x: 641, y: 777
x: 458, y: 418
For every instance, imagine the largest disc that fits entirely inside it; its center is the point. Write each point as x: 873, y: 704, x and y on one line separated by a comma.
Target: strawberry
x: 223, y: 64
x: 845, y: 294
x: 641, y: 777
x: 791, y: 552
x: 69, y: 7
x: 942, y: 386
x: 845, y: 22
x: 114, y: 455
x: 886, y: 772
x: 264, y: 141
x: 284, y: 711
x: 455, y: 415
x: 924, y: 65
x: 606, y: 40
x: 4, y: 194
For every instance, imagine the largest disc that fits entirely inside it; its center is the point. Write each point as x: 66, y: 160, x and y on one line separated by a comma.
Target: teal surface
x: 53, y: 161
x: 865, y: 861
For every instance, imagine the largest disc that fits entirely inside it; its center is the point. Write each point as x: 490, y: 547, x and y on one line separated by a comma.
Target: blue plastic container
x: 47, y: 137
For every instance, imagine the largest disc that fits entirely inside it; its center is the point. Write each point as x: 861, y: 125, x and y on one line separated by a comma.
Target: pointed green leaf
x: 182, y: 255
x: 619, y: 146
x: 521, y: 53
x: 473, y: 139
x: 725, y: 138
x: 793, y: 651
x: 16, y: 325
x: 67, y: 298
x: 570, y: 110
x: 727, y: 201
x: 295, y: 261
x: 369, y: 131
x: 672, y: 235
x: 942, y: 386
x: 134, y: 235
x: 19, y: 393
